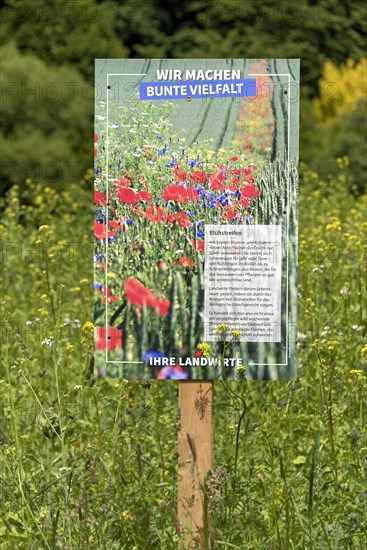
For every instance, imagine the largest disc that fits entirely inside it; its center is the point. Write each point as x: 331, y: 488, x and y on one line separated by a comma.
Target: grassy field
x: 91, y: 463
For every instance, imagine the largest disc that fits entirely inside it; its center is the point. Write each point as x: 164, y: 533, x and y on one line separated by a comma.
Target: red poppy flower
x: 95, y: 137
x: 250, y: 191
x: 99, y: 198
x: 229, y: 215
x: 101, y: 232
x: 155, y: 214
x: 232, y: 187
x: 95, y: 151
x: 163, y: 307
x: 138, y: 294
x: 200, y: 245
x: 192, y: 194
x: 216, y: 181
x: 199, y: 177
x: 128, y: 196
x: 117, y: 225
x: 180, y: 175
x: 244, y: 202
x: 179, y: 193
x: 175, y: 193
x: 145, y: 196
x: 186, y: 262
x: 108, y: 339
x: 182, y: 219
x: 234, y: 159
x: 123, y: 182
x: 107, y: 295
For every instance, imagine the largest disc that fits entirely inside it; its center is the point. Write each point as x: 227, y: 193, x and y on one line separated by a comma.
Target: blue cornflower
x: 98, y: 257
x: 200, y: 234
x: 176, y: 374
x: 199, y: 224
x: 129, y: 222
x: 191, y: 162
x: 190, y: 213
x: 111, y: 239
x: 98, y: 286
x: 173, y: 373
x: 159, y: 136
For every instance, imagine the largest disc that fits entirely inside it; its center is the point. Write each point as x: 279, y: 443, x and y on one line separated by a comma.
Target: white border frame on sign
x: 287, y: 220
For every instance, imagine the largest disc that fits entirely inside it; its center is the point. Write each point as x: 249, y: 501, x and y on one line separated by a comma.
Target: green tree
x: 73, y: 32
x: 45, y: 119
x: 313, y: 30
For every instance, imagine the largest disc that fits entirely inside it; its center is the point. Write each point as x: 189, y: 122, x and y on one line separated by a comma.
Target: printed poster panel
x: 196, y: 190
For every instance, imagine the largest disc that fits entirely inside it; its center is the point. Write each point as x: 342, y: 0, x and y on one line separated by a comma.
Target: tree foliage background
x: 48, y: 49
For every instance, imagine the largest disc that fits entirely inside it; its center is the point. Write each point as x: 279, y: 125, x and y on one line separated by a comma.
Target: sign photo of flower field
x: 196, y: 218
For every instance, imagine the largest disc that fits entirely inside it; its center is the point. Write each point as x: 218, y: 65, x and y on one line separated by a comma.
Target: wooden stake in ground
x: 195, y: 449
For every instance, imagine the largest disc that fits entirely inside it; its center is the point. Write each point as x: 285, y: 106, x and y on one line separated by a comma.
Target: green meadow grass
x: 91, y: 463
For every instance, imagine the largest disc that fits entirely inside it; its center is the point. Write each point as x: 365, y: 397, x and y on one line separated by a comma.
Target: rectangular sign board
x: 196, y: 197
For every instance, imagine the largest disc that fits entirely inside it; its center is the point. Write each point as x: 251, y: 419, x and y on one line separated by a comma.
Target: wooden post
x: 195, y: 450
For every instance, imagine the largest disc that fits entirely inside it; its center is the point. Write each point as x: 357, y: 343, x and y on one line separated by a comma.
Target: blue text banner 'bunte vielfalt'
x: 196, y: 89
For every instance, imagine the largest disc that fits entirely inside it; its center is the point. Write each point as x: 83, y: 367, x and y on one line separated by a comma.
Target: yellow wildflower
x: 205, y: 349
x: 221, y: 329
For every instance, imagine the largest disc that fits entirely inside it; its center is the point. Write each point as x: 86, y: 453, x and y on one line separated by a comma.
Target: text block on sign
x: 243, y: 281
